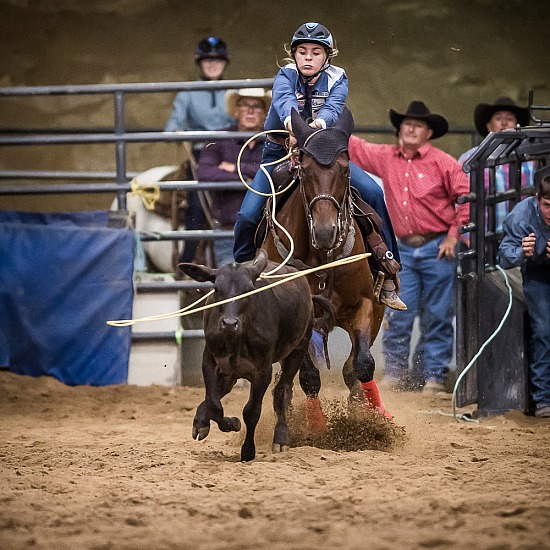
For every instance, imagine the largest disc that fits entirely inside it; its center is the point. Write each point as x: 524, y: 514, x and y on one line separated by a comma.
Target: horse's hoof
x: 200, y: 433
x: 278, y: 448
x: 236, y: 424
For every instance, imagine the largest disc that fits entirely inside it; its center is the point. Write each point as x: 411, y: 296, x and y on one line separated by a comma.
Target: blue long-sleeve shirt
x: 199, y: 110
x: 523, y: 220
x: 328, y: 96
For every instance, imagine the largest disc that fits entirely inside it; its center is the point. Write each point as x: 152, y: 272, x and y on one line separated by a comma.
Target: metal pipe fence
x: 119, y: 181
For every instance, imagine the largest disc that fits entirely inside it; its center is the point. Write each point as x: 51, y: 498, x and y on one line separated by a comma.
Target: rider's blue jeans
x: 252, y: 207
x: 427, y: 287
x: 536, y: 289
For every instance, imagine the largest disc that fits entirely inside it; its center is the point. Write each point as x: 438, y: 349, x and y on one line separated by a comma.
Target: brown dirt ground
x: 116, y: 468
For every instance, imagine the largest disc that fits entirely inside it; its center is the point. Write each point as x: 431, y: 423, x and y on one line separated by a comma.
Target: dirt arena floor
x: 116, y: 468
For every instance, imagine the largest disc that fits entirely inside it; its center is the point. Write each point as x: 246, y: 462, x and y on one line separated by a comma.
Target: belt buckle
x: 416, y: 241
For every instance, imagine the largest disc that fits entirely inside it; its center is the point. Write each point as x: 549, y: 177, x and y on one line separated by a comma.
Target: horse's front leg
x: 253, y: 409
x: 362, y: 362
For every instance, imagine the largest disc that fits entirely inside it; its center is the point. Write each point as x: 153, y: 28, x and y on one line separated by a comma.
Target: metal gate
x: 498, y: 380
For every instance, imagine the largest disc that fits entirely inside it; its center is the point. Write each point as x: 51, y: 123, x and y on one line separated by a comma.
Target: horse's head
x: 324, y: 178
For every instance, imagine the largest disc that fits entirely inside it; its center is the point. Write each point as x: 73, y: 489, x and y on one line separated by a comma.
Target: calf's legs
x: 211, y: 408
x: 282, y: 397
x: 253, y: 409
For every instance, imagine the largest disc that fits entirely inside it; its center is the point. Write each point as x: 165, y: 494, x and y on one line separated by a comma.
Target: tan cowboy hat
x: 484, y: 111
x: 418, y: 109
x: 232, y: 96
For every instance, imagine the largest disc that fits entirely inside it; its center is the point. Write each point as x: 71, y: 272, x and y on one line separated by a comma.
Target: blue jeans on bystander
x: 427, y: 287
x: 536, y: 289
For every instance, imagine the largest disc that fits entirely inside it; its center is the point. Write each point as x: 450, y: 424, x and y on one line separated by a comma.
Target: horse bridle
x: 344, y: 210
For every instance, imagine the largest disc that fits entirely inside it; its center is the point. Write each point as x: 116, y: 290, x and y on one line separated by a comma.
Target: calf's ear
x: 199, y: 273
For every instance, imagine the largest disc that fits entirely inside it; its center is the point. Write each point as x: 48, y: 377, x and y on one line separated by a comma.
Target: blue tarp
x: 62, y: 276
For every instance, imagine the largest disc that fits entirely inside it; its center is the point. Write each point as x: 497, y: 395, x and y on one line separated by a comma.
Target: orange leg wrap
x: 315, y: 418
x: 373, y: 399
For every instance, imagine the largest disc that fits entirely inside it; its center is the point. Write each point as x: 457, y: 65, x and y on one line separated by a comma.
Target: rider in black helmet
x: 318, y: 90
x: 201, y: 110
x: 314, y: 33
x: 211, y: 48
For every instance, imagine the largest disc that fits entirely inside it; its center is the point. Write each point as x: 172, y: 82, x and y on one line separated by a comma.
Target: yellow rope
x: 149, y: 194
x: 152, y: 197
x: 287, y: 156
x: 187, y: 311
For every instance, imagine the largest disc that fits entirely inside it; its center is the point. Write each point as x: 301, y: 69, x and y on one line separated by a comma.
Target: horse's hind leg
x: 355, y: 390
x: 310, y: 382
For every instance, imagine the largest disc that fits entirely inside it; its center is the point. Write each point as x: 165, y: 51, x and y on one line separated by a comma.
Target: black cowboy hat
x: 418, y: 109
x: 484, y: 111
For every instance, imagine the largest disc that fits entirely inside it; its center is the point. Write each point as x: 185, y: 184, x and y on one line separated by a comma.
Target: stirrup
x: 378, y: 284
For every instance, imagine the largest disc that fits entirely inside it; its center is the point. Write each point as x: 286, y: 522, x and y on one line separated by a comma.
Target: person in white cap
x: 218, y: 161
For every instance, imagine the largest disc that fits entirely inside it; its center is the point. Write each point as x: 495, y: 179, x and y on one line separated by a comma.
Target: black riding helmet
x: 313, y: 32
x: 317, y: 34
x: 212, y: 48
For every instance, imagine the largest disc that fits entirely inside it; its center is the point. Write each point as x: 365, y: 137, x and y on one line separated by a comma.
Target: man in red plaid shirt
x: 421, y: 186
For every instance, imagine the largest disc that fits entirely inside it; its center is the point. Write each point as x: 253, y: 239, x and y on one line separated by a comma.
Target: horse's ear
x: 300, y: 128
x: 345, y: 122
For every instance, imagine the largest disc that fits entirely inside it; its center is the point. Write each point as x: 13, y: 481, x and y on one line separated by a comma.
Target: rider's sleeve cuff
x: 287, y: 120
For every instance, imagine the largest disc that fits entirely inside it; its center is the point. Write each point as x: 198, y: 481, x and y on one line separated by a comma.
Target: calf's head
x: 229, y: 281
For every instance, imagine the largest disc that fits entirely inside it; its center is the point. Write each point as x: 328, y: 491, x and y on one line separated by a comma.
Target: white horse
x: 148, y: 221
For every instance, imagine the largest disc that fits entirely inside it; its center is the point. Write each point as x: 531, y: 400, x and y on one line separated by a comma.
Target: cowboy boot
x: 387, y: 279
x: 388, y: 293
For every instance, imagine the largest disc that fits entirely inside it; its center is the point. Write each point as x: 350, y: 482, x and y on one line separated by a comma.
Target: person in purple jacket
x: 218, y: 161
x: 318, y: 90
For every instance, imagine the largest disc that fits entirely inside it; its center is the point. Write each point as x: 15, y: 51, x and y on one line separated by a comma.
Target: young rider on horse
x: 318, y: 91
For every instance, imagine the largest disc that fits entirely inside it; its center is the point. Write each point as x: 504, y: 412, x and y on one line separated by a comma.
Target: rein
x: 346, y: 232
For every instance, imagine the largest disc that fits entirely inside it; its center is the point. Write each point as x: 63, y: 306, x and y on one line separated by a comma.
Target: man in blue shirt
x: 526, y: 243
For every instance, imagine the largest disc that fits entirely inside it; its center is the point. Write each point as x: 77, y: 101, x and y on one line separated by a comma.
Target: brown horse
x: 319, y: 218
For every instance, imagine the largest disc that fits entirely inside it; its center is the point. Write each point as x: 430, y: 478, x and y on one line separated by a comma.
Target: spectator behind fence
x: 526, y: 243
x: 318, y: 90
x: 218, y: 162
x: 422, y: 185
x: 201, y: 110
x: 502, y: 115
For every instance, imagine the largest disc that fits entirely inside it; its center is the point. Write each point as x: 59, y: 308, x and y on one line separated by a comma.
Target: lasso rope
x: 480, y: 351
x: 283, y: 279
x: 273, y: 194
